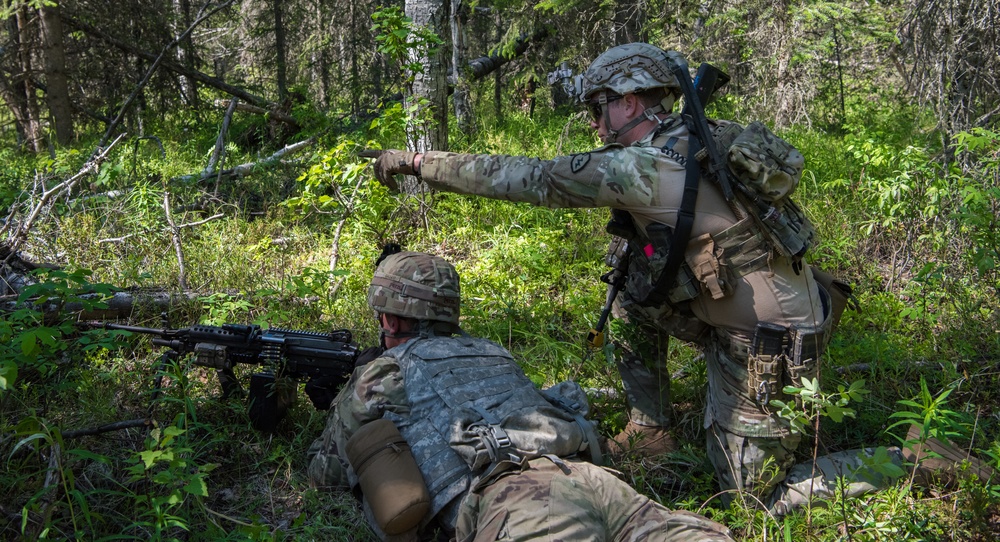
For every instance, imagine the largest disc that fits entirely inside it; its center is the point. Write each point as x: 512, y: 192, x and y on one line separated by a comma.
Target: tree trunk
x: 34, y: 140
x: 280, y: 64
x: 320, y: 67
x: 460, y: 81
x: 57, y: 94
x: 12, y: 92
x: 186, y: 53
x: 497, y: 79
x: 432, y: 83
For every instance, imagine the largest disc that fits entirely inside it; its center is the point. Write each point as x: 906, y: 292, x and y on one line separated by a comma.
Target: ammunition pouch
x: 389, y: 477
x: 777, y: 356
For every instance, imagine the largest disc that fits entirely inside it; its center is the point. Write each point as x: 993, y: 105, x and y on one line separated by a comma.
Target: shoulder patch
x: 579, y: 162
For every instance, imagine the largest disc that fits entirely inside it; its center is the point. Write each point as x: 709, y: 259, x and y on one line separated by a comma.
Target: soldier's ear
x: 391, y: 323
x: 633, y: 106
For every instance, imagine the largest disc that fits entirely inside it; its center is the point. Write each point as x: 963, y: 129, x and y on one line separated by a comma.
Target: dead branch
x: 108, y: 427
x: 181, y: 226
x: 119, y: 305
x: 244, y: 169
x: 17, y: 232
x: 335, y: 248
x: 272, y: 113
x: 218, y: 153
x: 175, y: 237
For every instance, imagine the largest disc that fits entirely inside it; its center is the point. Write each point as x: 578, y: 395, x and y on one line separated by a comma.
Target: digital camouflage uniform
x: 497, y: 455
x: 742, y: 283
x: 541, y: 499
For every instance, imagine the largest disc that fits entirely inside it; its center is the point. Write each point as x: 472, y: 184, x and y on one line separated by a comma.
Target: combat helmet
x: 416, y: 285
x: 629, y: 69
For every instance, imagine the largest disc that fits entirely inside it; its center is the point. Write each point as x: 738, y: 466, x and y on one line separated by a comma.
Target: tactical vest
x: 471, y: 407
x: 711, y: 263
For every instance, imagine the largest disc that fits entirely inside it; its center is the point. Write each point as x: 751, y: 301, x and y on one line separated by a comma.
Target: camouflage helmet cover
x: 629, y: 69
x: 416, y: 285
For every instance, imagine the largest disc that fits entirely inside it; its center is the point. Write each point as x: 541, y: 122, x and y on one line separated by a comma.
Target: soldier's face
x: 603, y: 115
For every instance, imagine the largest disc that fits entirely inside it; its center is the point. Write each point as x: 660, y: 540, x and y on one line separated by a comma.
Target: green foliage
x: 31, y: 343
x: 812, y: 401
x: 912, y: 225
x: 174, y: 480
x: 931, y: 414
x: 403, y: 41
x: 979, y: 193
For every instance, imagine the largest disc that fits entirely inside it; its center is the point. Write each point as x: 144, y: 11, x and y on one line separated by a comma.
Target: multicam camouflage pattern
x: 807, y: 482
x: 551, y: 499
x: 612, y: 176
x: 750, y: 467
x: 628, y: 69
x: 416, y: 285
x: 648, y: 183
x: 451, y: 385
x: 765, y: 162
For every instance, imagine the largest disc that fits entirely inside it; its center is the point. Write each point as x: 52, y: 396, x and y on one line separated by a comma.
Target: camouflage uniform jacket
x: 462, y: 404
x: 646, y: 179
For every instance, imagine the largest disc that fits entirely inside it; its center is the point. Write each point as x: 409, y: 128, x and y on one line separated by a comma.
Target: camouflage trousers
x: 753, y: 450
x: 761, y: 471
x: 556, y: 499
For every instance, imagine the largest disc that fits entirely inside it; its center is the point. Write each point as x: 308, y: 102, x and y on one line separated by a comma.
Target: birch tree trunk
x: 432, y: 84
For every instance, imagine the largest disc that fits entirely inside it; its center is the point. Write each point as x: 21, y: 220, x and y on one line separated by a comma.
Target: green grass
x: 530, y: 282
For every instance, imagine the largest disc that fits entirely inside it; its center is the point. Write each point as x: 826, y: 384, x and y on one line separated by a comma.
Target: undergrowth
x: 912, y: 234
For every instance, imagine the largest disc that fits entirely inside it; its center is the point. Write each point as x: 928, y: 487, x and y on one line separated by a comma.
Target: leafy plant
x: 403, y: 41
x: 813, y: 402
x: 931, y: 414
x: 30, y: 341
x: 175, y: 478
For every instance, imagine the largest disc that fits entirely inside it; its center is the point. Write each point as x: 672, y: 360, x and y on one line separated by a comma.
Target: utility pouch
x: 705, y: 258
x: 648, y: 259
x: 616, y: 252
x: 766, y: 163
x: 389, y: 477
x: 766, y: 361
x: 841, y: 294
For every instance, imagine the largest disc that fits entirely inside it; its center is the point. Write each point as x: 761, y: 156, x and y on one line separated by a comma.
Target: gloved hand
x: 389, y: 163
x: 322, y: 390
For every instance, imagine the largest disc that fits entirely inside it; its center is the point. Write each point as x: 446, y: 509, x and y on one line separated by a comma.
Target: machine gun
x: 283, y: 353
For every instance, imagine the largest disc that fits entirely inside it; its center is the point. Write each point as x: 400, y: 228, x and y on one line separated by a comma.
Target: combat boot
x: 643, y: 440
x: 941, y: 463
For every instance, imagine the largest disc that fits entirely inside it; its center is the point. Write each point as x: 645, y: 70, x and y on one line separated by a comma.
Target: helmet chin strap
x: 647, y: 114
